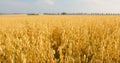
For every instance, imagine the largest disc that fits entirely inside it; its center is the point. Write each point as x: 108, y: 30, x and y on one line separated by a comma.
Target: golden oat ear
x: 56, y: 40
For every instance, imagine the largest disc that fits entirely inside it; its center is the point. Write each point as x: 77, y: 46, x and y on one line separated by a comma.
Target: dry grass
x: 59, y: 39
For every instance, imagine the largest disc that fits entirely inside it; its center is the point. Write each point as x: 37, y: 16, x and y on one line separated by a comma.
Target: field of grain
x: 59, y: 39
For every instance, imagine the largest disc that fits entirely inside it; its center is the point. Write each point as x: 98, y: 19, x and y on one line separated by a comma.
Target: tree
x: 63, y: 13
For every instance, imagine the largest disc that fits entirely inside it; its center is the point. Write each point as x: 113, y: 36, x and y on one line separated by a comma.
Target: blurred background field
x: 59, y: 39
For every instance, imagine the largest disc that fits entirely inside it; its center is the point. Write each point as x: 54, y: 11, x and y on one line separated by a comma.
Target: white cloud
x: 51, y: 2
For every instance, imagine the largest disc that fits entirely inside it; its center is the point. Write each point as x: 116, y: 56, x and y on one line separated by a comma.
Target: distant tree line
x: 32, y: 14
x: 64, y: 13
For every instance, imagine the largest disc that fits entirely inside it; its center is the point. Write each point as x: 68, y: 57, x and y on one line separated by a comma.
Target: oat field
x: 59, y: 39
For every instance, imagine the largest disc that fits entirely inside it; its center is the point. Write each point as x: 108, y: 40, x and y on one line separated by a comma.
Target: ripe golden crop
x: 59, y: 39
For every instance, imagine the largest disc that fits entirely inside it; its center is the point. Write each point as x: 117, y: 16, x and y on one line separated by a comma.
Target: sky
x: 58, y: 6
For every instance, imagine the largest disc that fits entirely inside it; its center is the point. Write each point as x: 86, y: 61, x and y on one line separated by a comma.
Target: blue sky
x: 54, y: 6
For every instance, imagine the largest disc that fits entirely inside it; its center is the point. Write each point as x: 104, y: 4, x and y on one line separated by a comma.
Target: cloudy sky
x: 54, y: 6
